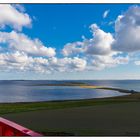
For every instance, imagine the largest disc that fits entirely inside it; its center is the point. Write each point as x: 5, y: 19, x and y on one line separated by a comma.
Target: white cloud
x: 101, y: 42
x: 72, y: 48
x: 103, y: 49
x: 18, y: 52
x: 97, y: 50
x: 20, y: 61
x: 105, y: 14
x: 12, y: 16
x: 101, y: 62
x: 67, y: 64
x: 13, y: 61
x: 21, y: 42
x: 127, y: 30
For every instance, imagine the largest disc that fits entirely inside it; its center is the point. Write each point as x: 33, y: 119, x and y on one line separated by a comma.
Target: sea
x: 36, y: 90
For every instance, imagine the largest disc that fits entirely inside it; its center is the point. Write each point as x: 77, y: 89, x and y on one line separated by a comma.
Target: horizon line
x: 61, y: 79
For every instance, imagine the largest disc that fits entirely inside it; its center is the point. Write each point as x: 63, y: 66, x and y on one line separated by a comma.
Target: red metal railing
x: 9, y: 128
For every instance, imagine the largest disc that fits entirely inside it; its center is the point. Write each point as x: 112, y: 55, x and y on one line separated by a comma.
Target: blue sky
x: 63, y: 23
x: 69, y: 41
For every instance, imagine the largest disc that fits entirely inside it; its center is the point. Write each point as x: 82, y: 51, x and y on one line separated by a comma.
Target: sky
x: 69, y: 41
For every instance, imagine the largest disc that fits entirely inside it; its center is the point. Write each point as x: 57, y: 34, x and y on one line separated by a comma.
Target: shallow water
x: 25, y: 91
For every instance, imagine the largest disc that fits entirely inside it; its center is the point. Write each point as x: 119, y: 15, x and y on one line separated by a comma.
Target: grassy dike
x: 115, y: 116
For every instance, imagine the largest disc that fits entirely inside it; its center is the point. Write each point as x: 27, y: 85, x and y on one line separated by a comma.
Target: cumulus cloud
x: 20, y: 61
x: 100, y: 44
x: 101, y: 62
x: 10, y: 61
x: 127, y: 30
x: 105, y: 14
x: 67, y: 64
x: 101, y: 50
x: 21, y: 42
x: 12, y: 16
x: 97, y: 50
x: 19, y: 52
x: 73, y: 48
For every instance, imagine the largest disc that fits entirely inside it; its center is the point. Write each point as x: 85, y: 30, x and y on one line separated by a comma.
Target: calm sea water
x: 25, y: 91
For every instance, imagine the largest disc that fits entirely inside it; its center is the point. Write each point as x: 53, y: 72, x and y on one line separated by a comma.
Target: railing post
x: 9, y: 128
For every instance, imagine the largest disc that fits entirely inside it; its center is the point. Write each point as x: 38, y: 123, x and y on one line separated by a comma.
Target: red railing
x: 9, y: 128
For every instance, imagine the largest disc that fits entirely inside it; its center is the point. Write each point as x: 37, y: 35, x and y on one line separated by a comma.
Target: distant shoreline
x: 112, y: 88
x: 84, y: 85
x: 66, y: 79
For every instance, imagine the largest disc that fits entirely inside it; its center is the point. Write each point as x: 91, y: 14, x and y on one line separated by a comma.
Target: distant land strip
x: 110, y: 88
x: 84, y: 85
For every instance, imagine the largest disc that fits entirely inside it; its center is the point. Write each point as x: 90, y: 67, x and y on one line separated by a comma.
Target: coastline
x: 83, y: 117
x: 6, y: 108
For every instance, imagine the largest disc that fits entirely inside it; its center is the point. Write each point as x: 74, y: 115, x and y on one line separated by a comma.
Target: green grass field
x: 33, y: 106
